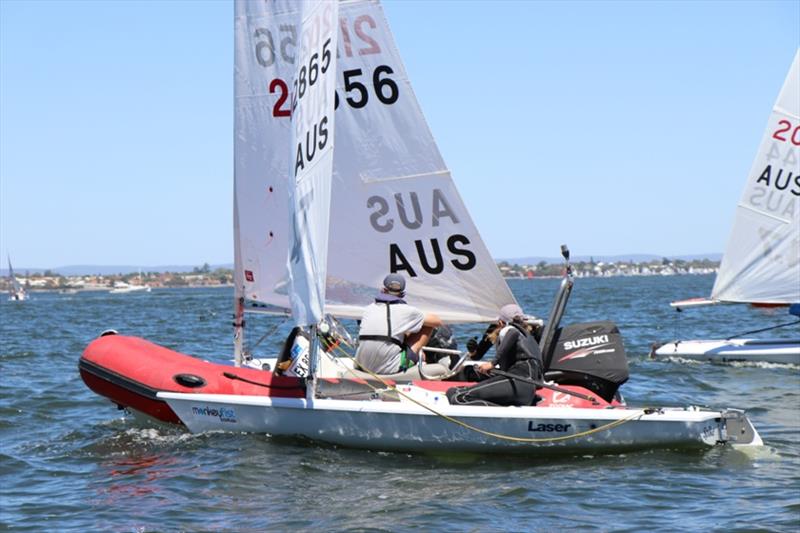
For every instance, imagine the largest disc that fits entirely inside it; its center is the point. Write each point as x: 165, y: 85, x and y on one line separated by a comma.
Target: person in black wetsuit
x: 518, y: 353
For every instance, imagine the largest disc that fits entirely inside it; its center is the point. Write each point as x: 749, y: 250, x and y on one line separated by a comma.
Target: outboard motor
x: 589, y: 355
x: 442, y: 337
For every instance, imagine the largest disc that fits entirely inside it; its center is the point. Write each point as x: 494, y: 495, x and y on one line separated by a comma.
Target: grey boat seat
x: 432, y: 372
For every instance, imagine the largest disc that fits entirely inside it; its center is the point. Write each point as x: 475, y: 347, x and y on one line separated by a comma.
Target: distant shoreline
x: 205, y: 276
x: 75, y: 290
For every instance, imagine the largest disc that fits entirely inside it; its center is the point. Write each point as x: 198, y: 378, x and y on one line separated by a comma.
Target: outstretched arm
x: 432, y: 321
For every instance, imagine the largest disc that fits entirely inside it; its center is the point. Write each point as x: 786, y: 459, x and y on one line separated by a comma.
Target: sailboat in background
x: 16, y: 292
x: 317, y: 228
x: 761, y: 264
x: 121, y: 287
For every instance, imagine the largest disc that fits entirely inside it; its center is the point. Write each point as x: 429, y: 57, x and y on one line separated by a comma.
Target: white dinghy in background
x: 761, y: 264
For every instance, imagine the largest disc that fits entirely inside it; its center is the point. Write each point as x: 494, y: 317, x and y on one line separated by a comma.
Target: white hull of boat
x: 132, y: 288
x: 408, y: 427
x: 782, y: 351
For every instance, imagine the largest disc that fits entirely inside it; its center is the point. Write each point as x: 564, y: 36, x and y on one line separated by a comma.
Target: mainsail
x: 762, y: 261
x: 394, y: 206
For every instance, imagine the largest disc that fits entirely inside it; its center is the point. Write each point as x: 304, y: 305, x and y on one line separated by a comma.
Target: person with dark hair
x: 392, y: 332
x: 517, y: 353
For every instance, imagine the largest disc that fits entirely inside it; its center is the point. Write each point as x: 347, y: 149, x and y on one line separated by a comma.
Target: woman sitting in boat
x: 392, y: 332
x: 517, y: 354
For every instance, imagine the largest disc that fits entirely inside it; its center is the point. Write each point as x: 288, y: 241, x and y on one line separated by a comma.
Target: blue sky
x: 616, y: 127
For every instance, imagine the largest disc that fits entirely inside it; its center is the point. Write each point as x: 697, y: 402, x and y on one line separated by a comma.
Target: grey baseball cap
x: 510, y: 311
x: 394, y: 283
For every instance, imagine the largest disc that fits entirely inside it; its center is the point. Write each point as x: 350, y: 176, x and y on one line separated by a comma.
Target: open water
x: 69, y: 461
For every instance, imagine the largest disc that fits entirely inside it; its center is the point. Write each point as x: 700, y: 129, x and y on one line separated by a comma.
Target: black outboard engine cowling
x: 590, y: 355
x: 442, y: 337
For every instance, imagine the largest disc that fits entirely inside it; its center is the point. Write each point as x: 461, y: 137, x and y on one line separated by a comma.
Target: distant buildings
x: 205, y: 277
x: 53, y: 281
x: 584, y: 269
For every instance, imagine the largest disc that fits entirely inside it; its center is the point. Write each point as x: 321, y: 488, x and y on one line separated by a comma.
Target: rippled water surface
x: 70, y: 461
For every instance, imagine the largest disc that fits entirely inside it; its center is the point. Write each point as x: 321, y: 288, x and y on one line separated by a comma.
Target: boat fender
x: 189, y: 380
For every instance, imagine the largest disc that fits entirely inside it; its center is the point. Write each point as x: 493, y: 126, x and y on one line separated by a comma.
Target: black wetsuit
x: 519, y: 354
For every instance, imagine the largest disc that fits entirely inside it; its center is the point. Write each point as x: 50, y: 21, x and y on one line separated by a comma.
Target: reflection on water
x: 133, y: 476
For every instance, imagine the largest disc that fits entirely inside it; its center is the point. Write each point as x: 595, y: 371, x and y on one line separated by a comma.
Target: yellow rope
x: 470, y: 427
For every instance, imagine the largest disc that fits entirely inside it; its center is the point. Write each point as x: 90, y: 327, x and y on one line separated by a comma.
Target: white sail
x: 394, y: 204
x: 762, y: 260
x: 16, y: 287
x: 16, y: 290
x: 312, y: 145
x: 266, y: 48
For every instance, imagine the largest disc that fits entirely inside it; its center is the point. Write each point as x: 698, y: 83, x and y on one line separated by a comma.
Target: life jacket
x: 388, y: 301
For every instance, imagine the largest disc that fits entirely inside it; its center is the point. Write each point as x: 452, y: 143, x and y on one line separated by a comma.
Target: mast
x: 238, y: 286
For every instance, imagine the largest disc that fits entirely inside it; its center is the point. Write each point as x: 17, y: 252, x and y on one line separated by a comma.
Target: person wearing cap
x: 392, y: 332
x: 516, y: 352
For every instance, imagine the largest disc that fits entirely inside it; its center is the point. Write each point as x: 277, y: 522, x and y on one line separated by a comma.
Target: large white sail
x: 313, y: 89
x: 762, y: 260
x: 394, y: 205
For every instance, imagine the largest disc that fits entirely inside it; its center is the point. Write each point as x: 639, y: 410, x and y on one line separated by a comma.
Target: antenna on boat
x: 557, y: 311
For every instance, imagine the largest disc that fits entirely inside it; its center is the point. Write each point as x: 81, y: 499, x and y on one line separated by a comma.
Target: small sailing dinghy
x: 323, y: 209
x: 761, y: 265
x: 16, y: 292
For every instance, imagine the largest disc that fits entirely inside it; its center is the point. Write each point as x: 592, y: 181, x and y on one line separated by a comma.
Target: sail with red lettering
x: 761, y: 263
x: 394, y: 206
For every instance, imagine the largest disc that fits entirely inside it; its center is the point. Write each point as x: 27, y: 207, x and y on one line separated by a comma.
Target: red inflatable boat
x: 131, y: 371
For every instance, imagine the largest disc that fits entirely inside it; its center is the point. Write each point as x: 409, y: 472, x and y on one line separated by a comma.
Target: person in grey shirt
x: 392, y: 332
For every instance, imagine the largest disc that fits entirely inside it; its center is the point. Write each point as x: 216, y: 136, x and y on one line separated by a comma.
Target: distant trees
x: 205, y: 269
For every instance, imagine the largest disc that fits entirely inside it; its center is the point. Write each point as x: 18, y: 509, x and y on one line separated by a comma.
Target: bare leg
x: 419, y: 339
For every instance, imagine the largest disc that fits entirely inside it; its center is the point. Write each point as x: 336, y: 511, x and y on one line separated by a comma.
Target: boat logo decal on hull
x: 548, y: 428
x: 224, y: 414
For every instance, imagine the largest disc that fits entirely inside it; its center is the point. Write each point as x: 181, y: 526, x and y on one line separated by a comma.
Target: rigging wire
x: 763, y: 329
x: 249, y: 350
